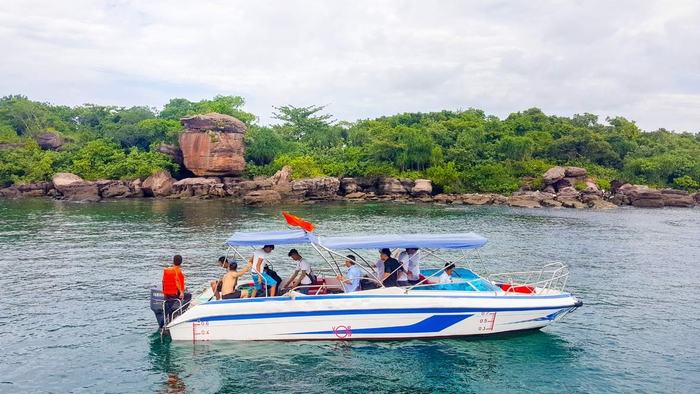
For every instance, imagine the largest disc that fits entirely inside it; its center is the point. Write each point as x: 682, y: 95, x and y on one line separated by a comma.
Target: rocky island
x: 212, y: 149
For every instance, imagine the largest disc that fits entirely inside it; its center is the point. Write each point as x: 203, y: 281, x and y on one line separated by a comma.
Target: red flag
x: 298, y: 222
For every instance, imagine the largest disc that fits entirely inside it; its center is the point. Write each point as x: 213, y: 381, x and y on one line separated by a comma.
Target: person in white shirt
x: 410, y: 260
x: 260, y: 278
x: 379, y: 270
x: 302, y: 273
x: 351, y: 280
x: 446, y: 275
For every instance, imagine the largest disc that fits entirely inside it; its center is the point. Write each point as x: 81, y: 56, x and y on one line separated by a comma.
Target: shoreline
x: 281, y: 189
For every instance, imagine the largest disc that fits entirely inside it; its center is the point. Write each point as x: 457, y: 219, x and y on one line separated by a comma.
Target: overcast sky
x: 638, y: 59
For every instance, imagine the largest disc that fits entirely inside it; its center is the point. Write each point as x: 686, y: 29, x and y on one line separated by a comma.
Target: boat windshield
x: 463, y: 279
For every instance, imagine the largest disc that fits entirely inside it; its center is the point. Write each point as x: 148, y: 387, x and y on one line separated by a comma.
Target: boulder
x: 198, y: 187
x: 696, y: 197
x: 422, y: 187
x: 568, y: 202
x: 262, y: 197
x: 159, y: 184
x: 113, y: 189
x: 283, y: 176
x: 324, y: 188
x: 565, y: 182
x: 568, y: 191
x: 444, y: 198
x: 355, y: 196
x: 575, y: 172
x: 549, y: 189
x: 212, y: 145
x: 74, y: 188
x: 499, y: 199
x: 477, y: 199
x: 39, y: 189
x: 601, y: 204
x: 523, y: 202
x: 10, y: 192
x: 554, y: 174
x: 391, y: 186
x: 49, y: 140
x: 550, y: 203
x: 215, y: 122
x: 648, y: 203
x: 348, y: 185
x: 620, y: 199
x: 677, y: 198
x: 136, y: 188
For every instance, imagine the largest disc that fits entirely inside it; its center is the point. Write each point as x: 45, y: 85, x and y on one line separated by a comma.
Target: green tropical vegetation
x: 459, y: 151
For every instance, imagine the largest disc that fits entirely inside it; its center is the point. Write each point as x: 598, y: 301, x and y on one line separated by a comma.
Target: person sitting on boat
x: 302, y: 273
x: 391, y: 268
x: 230, y: 281
x: 446, y: 275
x: 351, y: 280
x: 216, y: 284
x: 410, y: 260
x: 260, y: 277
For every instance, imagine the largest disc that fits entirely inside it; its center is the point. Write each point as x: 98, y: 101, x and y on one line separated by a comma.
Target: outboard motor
x: 157, y: 305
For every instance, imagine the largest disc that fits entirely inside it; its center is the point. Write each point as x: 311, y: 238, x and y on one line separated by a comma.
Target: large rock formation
x: 325, y: 188
x: 422, y: 188
x: 159, y: 184
x: 212, y: 145
x: 262, y: 197
x: 49, y: 140
x: 74, y: 188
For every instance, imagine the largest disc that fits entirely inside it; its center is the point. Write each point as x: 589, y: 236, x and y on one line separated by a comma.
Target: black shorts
x: 235, y: 294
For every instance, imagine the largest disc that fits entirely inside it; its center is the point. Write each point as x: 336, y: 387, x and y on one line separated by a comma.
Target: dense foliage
x: 459, y: 150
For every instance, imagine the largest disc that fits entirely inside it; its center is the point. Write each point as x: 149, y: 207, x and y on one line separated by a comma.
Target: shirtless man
x: 230, y: 280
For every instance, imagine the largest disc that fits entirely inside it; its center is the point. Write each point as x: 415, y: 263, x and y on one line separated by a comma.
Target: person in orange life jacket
x: 174, y: 279
x: 174, y: 287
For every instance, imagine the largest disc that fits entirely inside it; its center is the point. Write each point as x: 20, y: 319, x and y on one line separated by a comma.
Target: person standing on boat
x: 174, y: 280
x: 174, y: 287
x: 351, y: 280
x: 230, y: 280
x: 446, y: 275
x: 302, y: 273
x: 410, y: 260
x: 260, y: 277
x: 391, y: 268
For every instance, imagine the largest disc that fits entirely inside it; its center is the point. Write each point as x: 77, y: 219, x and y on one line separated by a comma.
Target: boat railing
x: 551, y: 277
x: 471, y: 283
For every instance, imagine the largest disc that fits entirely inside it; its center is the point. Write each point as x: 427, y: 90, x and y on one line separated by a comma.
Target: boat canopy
x: 430, y: 241
x: 283, y: 237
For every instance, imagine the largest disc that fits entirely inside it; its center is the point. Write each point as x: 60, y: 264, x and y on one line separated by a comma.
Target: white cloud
x: 638, y: 59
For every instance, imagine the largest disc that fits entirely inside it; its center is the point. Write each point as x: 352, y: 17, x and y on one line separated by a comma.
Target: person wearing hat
x: 260, y: 277
x: 351, y: 280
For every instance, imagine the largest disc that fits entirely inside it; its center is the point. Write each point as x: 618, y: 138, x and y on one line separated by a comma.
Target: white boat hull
x: 381, y: 314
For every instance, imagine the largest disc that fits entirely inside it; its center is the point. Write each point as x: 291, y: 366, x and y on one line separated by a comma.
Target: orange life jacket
x: 172, y: 276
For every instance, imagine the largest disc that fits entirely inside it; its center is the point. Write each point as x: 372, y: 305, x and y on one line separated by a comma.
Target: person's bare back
x: 230, y: 280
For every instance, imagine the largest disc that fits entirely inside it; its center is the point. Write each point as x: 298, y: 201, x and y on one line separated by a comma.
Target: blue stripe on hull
x: 432, y: 324
x: 384, y: 311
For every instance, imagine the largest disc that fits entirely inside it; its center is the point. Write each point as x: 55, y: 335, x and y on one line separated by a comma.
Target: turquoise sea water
x: 75, y: 315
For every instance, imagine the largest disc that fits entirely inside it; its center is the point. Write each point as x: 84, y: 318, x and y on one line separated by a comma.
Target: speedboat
x: 473, y: 304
